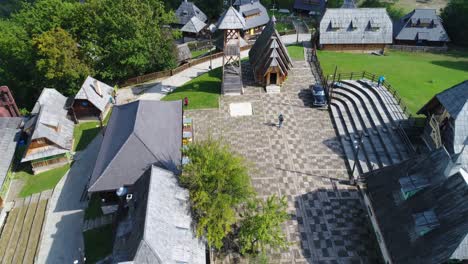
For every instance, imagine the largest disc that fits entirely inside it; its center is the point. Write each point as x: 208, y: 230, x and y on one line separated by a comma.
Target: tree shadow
x: 456, y: 65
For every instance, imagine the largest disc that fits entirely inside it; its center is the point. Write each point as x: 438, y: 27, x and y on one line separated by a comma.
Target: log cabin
x: 355, y: 29
x: 50, y: 132
x: 93, y: 100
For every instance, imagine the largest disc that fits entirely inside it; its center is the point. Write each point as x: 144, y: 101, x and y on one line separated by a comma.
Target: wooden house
x: 93, y: 100
x: 139, y: 134
x: 50, y: 132
x: 186, y: 11
x: 419, y: 209
x: 447, y: 122
x: 8, y: 106
x: 10, y: 133
x: 269, y: 57
x: 421, y: 27
x: 355, y: 29
x: 194, y: 29
x: 255, y: 16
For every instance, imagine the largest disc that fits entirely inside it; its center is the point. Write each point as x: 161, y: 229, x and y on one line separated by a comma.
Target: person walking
x: 280, y: 120
x: 185, y: 102
x: 380, y: 80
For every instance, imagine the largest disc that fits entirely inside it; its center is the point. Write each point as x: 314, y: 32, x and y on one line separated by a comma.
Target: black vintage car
x: 319, y: 96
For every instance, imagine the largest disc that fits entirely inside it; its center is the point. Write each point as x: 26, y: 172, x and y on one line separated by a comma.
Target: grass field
x: 197, y: 53
x: 40, y: 182
x: 202, y: 92
x: 84, y: 133
x: 98, y: 243
x: 296, y: 52
x: 416, y: 76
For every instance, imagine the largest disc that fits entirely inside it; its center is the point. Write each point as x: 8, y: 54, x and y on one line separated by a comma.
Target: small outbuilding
x: 194, y: 28
x: 50, y: 132
x: 255, y: 15
x: 269, y: 57
x: 183, y: 53
x: 355, y: 29
x: 422, y: 27
x: 93, y: 100
x: 186, y: 11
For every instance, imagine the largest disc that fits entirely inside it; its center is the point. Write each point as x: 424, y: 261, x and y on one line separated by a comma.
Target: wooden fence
x: 168, y: 73
x: 418, y: 48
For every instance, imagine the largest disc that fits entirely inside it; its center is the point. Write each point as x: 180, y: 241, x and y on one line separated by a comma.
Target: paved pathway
x: 302, y: 161
x: 62, y: 236
x: 155, y: 91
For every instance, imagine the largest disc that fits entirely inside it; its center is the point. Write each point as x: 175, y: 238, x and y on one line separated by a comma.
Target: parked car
x: 319, y: 95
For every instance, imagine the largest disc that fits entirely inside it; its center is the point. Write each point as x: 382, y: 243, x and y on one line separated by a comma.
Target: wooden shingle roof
x: 231, y: 19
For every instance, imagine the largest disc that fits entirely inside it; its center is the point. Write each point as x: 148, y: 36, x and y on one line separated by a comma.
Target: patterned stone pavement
x: 302, y: 161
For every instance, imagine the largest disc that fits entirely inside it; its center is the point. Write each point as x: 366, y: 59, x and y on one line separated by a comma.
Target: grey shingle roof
x: 455, y: 100
x: 269, y: 51
x: 231, y: 19
x: 138, y: 135
x: 446, y: 196
x: 88, y: 91
x: 186, y: 11
x: 9, y: 136
x: 183, y: 52
x: 261, y: 18
x: 50, y: 121
x: 335, y: 26
x: 168, y: 232
x: 194, y: 25
x: 435, y: 32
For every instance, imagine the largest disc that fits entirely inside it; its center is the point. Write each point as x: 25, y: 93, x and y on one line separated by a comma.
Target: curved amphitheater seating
x: 19, y: 237
x: 362, y: 110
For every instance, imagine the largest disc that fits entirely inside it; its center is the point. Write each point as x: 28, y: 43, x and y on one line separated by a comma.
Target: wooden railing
x: 168, y: 73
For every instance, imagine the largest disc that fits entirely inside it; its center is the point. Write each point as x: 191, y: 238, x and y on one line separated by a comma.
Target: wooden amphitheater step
x: 346, y: 143
x: 26, y: 230
x: 7, y: 231
x: 377, y: 151
x: 397, y: 147
x: 35, y: 233
x: 365, y: 152
x: 10, y: 251
x: 379, y: 130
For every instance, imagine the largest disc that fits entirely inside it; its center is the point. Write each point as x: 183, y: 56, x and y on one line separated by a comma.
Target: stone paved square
x: 302, y: 161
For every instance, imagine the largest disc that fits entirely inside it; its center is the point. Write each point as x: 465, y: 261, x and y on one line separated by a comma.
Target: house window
x: 425, y: 222
x: 412, y: 184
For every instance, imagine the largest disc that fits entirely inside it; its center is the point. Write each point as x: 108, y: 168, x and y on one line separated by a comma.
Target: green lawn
x: 416, y: 76
x: 40, y: 182
x: 284, y: 26
x: 84, y: 133
x: 296, y: 52
x: 197, y: 53
x: 202, y: 92
x: 98, y: 243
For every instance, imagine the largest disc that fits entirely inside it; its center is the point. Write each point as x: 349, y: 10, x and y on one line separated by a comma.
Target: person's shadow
x: 271, y: 124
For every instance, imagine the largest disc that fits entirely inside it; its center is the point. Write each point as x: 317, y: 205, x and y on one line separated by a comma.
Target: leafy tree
x: 393, y: 11
x: 16, y: 67
x: 334, y: 3
x: 261, y: 226
x: 455, y: 19
x: 218, y: 183
x: 58, y: 61
x: 125, y: 38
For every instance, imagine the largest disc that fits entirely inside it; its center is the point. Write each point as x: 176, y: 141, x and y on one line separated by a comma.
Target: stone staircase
x: 368, y: 121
